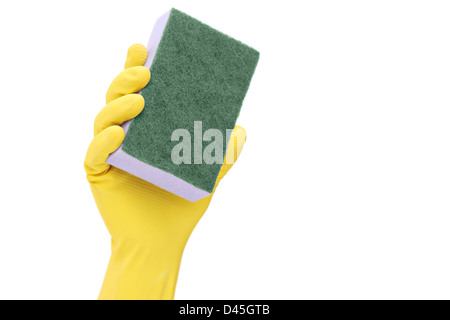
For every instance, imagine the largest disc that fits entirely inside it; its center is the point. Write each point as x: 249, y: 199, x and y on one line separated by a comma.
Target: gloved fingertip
x: 240, y: 132
x: 139, y: 101
x: 137, y: 55
x: 144, y: 76
x: 116, y: 133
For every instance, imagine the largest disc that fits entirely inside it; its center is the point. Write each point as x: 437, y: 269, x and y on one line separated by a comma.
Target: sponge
x: 199, y: 76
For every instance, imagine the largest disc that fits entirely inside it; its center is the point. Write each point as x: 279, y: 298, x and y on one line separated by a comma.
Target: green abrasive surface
x: 198, y: 74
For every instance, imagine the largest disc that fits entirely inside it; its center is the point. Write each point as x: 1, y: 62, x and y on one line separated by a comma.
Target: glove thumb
x: 235, y: 146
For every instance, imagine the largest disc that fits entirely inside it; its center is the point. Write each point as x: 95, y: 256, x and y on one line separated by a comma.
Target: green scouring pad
x: 198, y: 75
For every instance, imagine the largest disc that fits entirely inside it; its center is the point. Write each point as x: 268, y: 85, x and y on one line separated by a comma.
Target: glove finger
x: 137, y: 55
x: 129, y: 81
x: 234, y: 149
x: 118, y: 111
x: 101, y: 147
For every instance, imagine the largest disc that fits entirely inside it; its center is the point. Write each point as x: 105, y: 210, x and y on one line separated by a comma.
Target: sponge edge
x: 125, y: 162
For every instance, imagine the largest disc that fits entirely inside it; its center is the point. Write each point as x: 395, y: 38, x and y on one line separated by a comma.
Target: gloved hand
x: 149, y: 226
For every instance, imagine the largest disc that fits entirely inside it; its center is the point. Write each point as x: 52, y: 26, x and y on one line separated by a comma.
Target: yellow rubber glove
x: 149, y: 226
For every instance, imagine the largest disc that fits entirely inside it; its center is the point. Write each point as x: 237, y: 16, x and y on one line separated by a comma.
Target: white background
x: 341, y: 192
